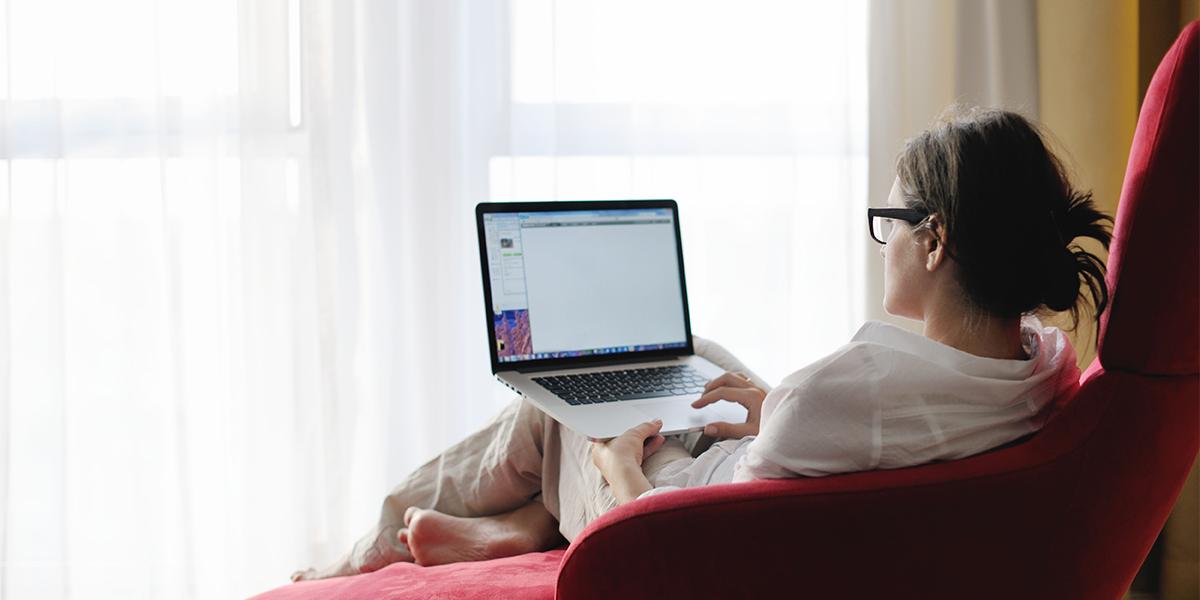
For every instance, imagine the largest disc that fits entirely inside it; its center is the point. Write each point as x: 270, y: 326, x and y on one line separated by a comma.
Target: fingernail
x: 659, y: 421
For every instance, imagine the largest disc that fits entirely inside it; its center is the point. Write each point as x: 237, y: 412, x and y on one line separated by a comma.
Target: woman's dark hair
x: 1010, y: 215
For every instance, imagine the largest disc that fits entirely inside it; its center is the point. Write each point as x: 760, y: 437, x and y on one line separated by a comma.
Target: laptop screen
x: 572, y: 283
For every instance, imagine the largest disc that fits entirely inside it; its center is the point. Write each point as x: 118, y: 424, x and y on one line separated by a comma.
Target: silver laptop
x: 587, y: 314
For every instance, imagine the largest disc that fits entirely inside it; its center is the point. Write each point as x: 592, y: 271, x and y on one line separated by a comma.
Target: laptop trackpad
x: 680, y: 416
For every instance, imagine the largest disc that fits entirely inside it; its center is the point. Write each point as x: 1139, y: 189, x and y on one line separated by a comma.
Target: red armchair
x: 1069, y: 513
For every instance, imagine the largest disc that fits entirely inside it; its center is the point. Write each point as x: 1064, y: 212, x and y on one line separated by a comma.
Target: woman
x: 977, y: 236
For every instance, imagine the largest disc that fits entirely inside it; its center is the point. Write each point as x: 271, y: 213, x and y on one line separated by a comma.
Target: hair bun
x: 1062, y: 282
x: 1074, y: 266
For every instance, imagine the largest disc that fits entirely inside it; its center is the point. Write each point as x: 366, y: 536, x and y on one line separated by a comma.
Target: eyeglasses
x: 882, y: 221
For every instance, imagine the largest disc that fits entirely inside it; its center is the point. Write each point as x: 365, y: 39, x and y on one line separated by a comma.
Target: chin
x: 890, y: 308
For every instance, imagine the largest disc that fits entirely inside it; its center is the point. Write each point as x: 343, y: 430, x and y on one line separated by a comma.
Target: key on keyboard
x: 627, y: 384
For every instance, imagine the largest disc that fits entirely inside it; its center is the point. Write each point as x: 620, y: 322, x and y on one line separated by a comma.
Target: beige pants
x: 522, y: 455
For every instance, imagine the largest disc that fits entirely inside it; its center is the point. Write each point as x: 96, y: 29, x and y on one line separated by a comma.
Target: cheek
x: 889, y: 278
x: 893, y: 263
x: 897, y: 279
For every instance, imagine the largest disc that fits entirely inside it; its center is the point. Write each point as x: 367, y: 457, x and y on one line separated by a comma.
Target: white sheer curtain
x: 239, y: 291
x: 752, y: 115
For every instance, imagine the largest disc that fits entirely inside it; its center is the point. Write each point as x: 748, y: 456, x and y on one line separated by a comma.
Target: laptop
x: 587, y: 314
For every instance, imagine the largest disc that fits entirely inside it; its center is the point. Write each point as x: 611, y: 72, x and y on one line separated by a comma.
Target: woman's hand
x: 733, y: 387
x: 620, y: 459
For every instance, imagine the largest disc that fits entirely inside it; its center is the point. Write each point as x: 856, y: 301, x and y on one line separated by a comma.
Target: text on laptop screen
x: 578, y: 283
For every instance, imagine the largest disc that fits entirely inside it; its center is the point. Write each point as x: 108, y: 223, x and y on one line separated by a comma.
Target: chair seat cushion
x: 525, y: 577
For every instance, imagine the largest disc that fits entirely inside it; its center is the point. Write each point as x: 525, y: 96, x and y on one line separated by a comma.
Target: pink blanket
x: 527, y: 576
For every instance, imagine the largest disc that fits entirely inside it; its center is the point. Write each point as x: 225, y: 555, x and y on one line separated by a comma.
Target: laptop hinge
x: 600, y: 363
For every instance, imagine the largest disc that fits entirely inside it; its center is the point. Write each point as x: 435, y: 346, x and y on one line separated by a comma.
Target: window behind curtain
x: 750, y: 114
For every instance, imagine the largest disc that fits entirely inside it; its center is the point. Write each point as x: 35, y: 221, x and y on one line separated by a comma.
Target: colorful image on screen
x: 512, y: 333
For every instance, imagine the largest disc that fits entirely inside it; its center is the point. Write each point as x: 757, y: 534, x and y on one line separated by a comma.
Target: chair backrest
x: 1069, y: 514
x: 1148, y: 366
x: 1152, y: 323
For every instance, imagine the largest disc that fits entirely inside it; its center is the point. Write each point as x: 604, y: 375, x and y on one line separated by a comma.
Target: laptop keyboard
x: 629, y: 384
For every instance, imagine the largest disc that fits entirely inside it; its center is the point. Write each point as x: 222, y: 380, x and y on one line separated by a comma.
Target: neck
x: 990, y: 337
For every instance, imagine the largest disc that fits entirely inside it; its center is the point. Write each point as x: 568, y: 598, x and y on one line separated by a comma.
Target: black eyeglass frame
x: 912, y: 216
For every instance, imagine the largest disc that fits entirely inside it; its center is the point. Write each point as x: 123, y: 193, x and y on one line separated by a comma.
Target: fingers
x: 729, y: 379
x: 642, y: 438
x: 746, y: 396
x: 652, y: 445
x: 721, y: 429
x: 646, y: 429
x: 640, y: 431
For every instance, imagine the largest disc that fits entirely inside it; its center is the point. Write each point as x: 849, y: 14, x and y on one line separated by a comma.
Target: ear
x: 935, y: 244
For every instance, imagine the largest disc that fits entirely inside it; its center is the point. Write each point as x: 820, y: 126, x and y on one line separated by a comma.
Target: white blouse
x: 888, y: 399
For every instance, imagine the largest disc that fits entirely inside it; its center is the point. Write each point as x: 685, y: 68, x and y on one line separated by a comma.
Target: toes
x: 298, y: 575
x: 408, y: 514
x: 403, y: 536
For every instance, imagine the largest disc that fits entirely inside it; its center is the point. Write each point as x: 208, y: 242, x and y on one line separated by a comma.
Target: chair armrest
x: 781, y: 539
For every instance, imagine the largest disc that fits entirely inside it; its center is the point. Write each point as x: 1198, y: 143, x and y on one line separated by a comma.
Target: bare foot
x: 436, y: 538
